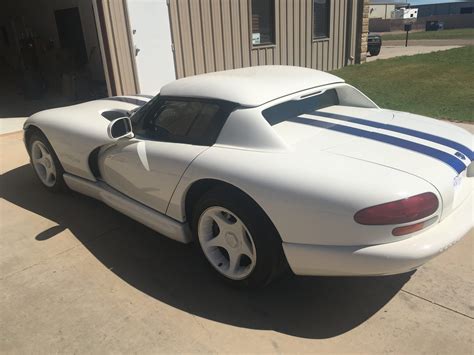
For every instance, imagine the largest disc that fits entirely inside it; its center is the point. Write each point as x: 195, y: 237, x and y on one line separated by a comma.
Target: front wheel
x: 237, y: 238
x: 45, y: 163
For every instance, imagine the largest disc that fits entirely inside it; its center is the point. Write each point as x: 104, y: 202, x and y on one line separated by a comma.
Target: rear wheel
x: 45, y: 163
x: 237, y: 238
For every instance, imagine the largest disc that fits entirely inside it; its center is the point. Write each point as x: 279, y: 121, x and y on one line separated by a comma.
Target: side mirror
x: 120, y: 128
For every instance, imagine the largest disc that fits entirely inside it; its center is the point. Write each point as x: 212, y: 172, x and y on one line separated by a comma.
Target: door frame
x: 116, y: 47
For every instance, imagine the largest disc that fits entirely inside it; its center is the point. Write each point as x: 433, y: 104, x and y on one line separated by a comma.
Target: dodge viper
x: 267, y: 169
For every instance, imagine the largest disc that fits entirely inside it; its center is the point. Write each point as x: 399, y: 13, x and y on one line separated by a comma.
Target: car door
x: 169, y: 134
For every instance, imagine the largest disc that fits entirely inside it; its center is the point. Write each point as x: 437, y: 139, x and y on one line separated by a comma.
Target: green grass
x: 461, y: 33
x: 439, y: 84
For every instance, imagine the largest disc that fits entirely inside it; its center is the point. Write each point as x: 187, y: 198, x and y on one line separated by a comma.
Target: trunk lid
x: 435, y: 151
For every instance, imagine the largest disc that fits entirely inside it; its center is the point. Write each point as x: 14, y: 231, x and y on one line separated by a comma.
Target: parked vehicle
x: 374, y: 44
x: 268, y: 167
x: 434, y: 26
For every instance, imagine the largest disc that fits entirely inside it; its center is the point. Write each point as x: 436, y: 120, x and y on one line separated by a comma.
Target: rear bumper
x: 382, y: 259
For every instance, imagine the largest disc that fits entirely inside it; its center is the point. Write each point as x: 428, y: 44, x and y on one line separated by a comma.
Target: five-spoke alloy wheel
x: 237, y: 238
x: 227, y: 243
x: 45, y: 162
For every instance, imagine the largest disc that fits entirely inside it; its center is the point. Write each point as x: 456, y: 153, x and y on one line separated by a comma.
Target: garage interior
x: 49, y: 55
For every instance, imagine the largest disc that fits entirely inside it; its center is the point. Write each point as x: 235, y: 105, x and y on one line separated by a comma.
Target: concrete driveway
x: 392, y: 49
x: 76, y: 276
x: 387, y: 51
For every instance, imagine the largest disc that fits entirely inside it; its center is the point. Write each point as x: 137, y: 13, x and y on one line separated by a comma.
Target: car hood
x: 433, y: 150
x: 76, y: 131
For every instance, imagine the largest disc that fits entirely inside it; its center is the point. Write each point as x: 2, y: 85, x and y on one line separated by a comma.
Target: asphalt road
x: 76, y: 276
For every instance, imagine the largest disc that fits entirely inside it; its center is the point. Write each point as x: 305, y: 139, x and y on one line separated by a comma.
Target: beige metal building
x: 218, y: 35
x: 136, y: 46
x: 213, y: 35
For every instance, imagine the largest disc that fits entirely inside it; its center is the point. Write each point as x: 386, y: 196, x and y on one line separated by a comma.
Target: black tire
x: 270, y: 261
x: 374, y: 52
x: 59, y: 183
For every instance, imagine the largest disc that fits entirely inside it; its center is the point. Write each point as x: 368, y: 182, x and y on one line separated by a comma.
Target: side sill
x: 131, y: 208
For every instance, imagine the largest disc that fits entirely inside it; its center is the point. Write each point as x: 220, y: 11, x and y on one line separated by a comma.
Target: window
x: 321, y: 18
x: 284, y: 111
x: 179, y: 121
x: 263, y: 22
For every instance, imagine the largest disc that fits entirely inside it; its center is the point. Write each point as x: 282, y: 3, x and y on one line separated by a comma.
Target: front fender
x: 76, y: 131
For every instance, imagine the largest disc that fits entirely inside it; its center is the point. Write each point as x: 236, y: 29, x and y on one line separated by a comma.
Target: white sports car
x: 268, y: 167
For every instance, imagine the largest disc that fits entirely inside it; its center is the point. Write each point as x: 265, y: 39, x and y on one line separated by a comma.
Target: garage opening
x: 49, y: 55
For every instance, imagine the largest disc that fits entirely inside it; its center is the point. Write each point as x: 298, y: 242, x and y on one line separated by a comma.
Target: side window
x: 205, y: 126
x: 263, y: 22
x: 173, y: 119
x: 321, y: 18
x: 180, y: 121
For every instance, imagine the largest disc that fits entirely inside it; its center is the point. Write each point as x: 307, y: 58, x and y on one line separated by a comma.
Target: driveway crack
x: 437, y: 304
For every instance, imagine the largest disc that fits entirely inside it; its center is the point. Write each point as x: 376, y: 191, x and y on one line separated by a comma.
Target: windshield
x: 137, y: 113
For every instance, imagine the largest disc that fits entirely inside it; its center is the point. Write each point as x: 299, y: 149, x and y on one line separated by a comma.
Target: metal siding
x: 210, y: 35
x: 302, y: 30
x: 245, y: 33
x: 289, y: 19
x: 186, y: 40
x: 262, y: 57
x: 308, y: 38
x: 342, y: 30
x: 296, y: 32
x: 109, y: 33
x: 196, y: 36
x: 175, y: 33
x: 236, y: 33
x: 208, y: 41
x: 254, y: 58
x: 325, y: 55
x: 269, y: 56
x: 115, y: 30
x: 227, y: 35
x: 283, y: 44
x: 218, y: 39
x: 276, y: 50
x: 335, y: 37
x: 321, y: 56
x: 354, y: 30
x: 342, y: 33
x: 330, y: 43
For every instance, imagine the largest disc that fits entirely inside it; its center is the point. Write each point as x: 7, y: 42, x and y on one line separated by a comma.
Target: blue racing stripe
x: 411, y: 132
x: 446, y: 158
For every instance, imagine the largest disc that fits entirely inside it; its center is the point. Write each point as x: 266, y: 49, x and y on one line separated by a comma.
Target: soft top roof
x: 252, y: 86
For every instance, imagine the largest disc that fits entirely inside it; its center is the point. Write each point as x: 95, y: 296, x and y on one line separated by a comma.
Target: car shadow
x: 173, y: 273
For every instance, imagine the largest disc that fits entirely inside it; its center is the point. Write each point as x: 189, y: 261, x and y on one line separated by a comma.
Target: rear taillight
x: 401, y: 211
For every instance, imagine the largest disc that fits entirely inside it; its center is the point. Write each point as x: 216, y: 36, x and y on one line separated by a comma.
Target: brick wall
x: 362, y: 30
x: 365, y: 30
